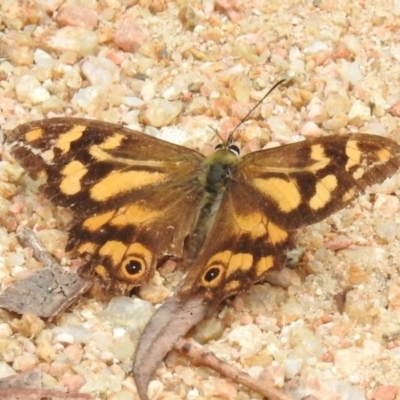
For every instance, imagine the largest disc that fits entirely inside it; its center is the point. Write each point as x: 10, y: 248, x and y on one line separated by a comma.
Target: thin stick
x: 28, y: 238
x: 14, y: 393
x: 208, y: 359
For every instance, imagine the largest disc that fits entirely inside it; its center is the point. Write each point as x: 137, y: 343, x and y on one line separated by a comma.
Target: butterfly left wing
x: 275, y: 191
x: 135, y: 198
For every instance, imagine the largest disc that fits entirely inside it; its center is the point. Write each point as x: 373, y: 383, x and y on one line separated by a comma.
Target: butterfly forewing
x: 127, y: 191
x: 304, y: 182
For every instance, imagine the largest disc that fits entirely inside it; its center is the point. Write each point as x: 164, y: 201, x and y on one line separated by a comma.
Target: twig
x: 15, y: 393
x: 29, y: 386
x: 28, y: 238
x: 208, y: 359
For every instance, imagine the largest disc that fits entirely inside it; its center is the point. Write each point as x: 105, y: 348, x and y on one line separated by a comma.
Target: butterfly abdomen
x: 214, y: 176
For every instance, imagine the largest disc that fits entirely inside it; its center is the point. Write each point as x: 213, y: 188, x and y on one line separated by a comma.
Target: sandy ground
x: 174, y: 70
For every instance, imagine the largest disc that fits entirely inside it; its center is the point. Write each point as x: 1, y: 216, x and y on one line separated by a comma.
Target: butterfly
x: 138, y: 201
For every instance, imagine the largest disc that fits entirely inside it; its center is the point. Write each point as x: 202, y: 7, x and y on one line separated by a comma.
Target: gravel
x: 183, y: 69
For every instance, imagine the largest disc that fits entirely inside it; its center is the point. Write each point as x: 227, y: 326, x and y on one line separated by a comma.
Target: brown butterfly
x: 138, y: 200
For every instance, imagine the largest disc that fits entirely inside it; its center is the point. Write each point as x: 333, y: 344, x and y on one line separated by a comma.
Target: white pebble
x: 13, y: 259
x: 337, y: 104
x: 359, y: 113
x: 350, y: 72
x: 160, y: 112
x: 175, y: 135
x: 123, y: 348
x: 337, y: 122
x: 129, y: 313
x: 316, y: 47
x: 25, y: 362
x: 64, y: 338
x: 379, y: 103
x: 387, y: 230
x: 292, y: 367
x: 310, y: 129
x: 42, y: 58
x: 148, y: 91
x: 5, y: 330
x: 17, y: 270
x: 102, y: 340
x: 107, y: 357
x: 73, y: 79
x: 88, y: 98
x: 248, y: 337
x: 172, y: 93
x: 24, y: 87
x: 39, y: 95
x: 75, y: 39
x: 255, y: 371
x: 155, y: 389
x: 7, y: 67
x: 131, y: 118
x: 78, y: 334
x: 279, y: 127
x: 193, y: 394
x: 353, y: 44
x: 306, y: 344
x: 99, y: 70
x: 118, y: 332
x: 132, y: 101
x: 374, y: 127
x: 5, y: 370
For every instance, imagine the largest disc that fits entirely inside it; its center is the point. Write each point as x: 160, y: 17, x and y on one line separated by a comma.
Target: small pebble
x: 6, y: 370
x: 5, y: 330
x: 359, y: 113
x: 46, y: 352
x: 248, y: 337
x: 336, y: 104
x: 25, y: 362
x: 84, y: 17
x: 98, y: 70
x: 81, y: 41
x: 160, y: 112
x: 29, y: 325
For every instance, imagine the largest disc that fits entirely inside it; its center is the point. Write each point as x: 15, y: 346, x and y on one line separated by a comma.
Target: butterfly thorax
x: 217, y: 169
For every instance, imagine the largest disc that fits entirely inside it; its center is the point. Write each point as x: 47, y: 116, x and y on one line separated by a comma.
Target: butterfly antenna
x: 216, y: 132
x: 251, y: 111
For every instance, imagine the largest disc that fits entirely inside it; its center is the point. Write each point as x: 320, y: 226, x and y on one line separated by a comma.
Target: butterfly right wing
x: 273, y: 192
x: 135, y: 198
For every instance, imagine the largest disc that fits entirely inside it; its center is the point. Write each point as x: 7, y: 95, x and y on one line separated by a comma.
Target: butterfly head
x: 228, y: 146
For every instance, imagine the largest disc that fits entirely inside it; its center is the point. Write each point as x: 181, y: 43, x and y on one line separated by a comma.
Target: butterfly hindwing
x: 126, y: 190
x: 242, y: 246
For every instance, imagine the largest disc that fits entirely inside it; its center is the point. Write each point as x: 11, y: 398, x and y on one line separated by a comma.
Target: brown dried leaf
x: 170, y: 322
x: 46, y: 293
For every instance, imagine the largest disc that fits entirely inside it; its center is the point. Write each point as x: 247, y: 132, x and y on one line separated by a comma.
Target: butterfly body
x: 138, y: 200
